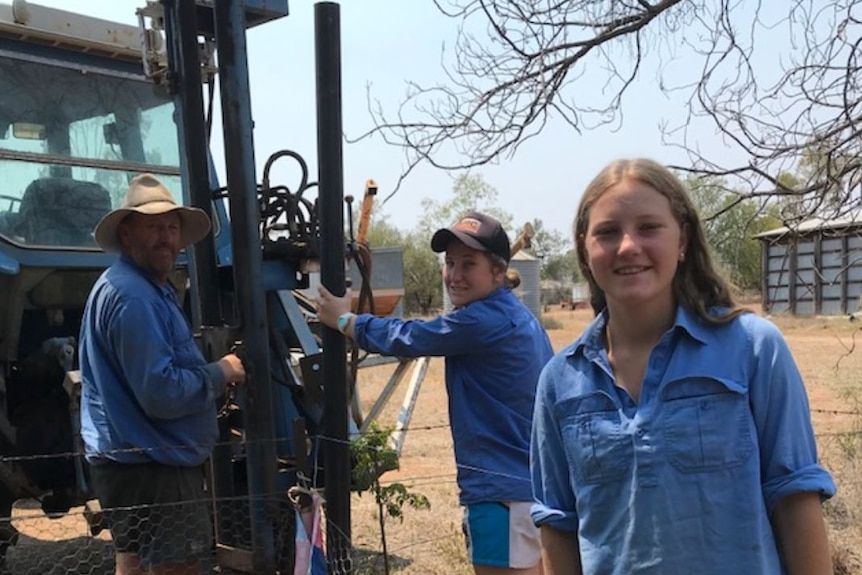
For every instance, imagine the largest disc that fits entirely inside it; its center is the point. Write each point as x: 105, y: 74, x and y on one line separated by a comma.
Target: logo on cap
x: 469, y: 225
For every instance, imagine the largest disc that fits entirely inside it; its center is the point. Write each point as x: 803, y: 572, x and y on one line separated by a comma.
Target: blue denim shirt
x: 495, y: 349
x: 684, y: 481
x: 147, y: 394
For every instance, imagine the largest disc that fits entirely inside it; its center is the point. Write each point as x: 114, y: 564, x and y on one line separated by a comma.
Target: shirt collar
x: 165, y: 289
x: 592, y: 338
x: 692, y: 324
x: 497, y: 293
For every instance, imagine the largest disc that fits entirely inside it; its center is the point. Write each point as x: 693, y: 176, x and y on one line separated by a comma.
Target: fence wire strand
x: 68, y: 544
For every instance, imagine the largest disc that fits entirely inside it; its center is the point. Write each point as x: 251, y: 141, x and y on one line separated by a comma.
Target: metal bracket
x: 154, y: 54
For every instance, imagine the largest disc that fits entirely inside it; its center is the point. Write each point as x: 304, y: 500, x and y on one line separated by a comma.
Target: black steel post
x: 185, y: 84
x: 247, y: 265
x: 331, y: 210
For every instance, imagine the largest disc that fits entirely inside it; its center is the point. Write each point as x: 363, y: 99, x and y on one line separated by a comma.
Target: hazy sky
x: 384, y: 44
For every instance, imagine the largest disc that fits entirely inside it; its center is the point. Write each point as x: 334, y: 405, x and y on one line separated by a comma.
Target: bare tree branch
x: 503, y: 88
x: 781, y: 88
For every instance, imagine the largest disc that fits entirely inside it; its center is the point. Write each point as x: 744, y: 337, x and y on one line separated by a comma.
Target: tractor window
x: 70, y: 141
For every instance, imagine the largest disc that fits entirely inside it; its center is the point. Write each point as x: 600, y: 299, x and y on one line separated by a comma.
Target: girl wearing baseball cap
x: 494, y: 348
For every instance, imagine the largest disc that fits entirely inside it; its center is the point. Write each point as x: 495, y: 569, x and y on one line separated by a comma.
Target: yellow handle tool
x: 365, y: 211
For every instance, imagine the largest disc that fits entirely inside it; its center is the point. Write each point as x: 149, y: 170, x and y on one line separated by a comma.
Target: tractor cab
x: 78, y: 120
x: 70, y: 140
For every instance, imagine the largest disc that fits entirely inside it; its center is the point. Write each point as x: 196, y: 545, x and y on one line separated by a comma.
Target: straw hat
x: 148, y: 196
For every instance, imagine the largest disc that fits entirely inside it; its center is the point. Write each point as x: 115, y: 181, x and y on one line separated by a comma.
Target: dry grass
x: 430, y: 542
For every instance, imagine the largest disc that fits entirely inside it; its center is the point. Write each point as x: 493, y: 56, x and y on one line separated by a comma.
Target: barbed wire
x: 346, y: 560
x: 423, y: 480
x: 836, y: 412
x: 181, y: 447
x: 850, y: 433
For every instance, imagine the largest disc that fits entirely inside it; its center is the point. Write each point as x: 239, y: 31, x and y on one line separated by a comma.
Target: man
x: 495, y: 349
x: 148, y: 397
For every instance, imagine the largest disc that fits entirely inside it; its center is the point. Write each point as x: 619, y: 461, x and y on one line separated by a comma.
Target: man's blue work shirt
x: 495, y: 349
x: 147, y: 394
x: 684, y: 481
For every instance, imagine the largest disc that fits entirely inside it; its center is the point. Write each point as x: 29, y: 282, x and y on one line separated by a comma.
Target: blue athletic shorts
x: 501, y: 535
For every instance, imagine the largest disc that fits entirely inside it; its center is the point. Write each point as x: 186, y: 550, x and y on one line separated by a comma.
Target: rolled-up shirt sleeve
x: 161, y: 372
x: 780, y: 407
x: 555, y: 503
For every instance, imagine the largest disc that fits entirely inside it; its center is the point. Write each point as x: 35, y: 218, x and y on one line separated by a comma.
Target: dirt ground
x: 430, y: 542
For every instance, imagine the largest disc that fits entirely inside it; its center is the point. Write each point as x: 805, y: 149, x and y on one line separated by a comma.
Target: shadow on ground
x: 91, y: 556
x: 367, y: 562
x: 78, y: 556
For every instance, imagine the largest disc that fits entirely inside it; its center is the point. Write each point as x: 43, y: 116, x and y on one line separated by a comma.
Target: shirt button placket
x: 644, y: 453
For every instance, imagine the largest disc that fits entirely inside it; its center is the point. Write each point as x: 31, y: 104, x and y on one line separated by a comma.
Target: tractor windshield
x: 70, y: 141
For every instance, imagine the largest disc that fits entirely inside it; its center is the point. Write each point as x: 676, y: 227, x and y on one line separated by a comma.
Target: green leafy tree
x: 547, y: 242
x: 562, y: 267
x: 824, y: 164
x: 558, y: 261
x: 423, y: 282
x: 730, y: 224
x: 382, y: 233
x: 469, y: 192
x: 820, y: 186
x: 789, y: 207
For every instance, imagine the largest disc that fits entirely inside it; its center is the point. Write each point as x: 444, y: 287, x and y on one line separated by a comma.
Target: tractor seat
x: 8, y: 225
x: 61, y: 212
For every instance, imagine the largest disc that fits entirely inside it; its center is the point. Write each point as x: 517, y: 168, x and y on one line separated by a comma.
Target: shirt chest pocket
x: 707, y: 423
x: 597, y: 449
x: 186, y: 351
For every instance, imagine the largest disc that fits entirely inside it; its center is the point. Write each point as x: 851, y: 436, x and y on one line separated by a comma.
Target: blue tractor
x: 85, y: 105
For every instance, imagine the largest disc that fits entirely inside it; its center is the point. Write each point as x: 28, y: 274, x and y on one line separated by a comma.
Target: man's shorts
x: 159, y: 512
x: 501, y: 535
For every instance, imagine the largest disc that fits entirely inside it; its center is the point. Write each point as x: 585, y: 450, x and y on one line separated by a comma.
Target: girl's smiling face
x: 634, y: 244
x: 468, y: 274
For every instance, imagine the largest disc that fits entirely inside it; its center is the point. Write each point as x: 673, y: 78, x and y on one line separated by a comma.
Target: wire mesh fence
x: 217, y: 533
x: 431, y: 542
x: 59, y: 546
x: 423, y: 542
x: 161, y: 534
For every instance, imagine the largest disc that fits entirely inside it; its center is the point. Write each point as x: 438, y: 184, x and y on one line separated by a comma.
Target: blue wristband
x: 344, y: 321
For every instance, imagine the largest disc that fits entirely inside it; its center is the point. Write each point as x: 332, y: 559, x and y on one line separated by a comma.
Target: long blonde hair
x: 697, y: 285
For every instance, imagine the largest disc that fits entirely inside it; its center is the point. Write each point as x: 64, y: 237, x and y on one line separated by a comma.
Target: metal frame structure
x: 242, y: 286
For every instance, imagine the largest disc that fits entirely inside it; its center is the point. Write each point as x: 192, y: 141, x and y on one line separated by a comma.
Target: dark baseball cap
x: 475, y: 230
